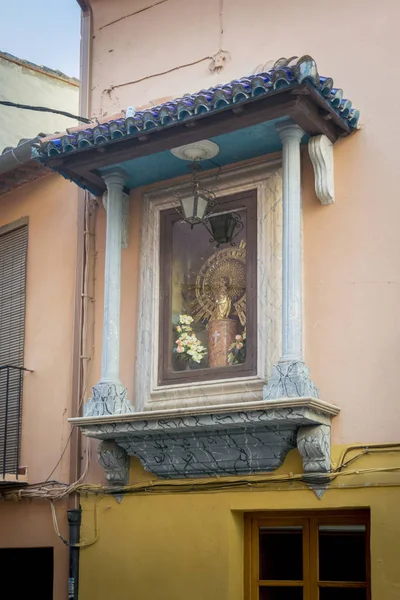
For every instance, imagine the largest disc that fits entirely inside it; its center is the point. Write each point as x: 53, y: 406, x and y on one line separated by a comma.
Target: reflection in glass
x: 342, y: 552
x: 208, y: 317
x: 281, y: 593
x: 281, y: 553
x: 342, y: 594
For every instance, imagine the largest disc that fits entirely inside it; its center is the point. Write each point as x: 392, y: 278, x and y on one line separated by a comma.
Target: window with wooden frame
x: 317, y: 555
x: 208, y: 293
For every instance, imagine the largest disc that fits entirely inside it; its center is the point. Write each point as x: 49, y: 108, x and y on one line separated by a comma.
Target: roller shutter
x: 13, y: 256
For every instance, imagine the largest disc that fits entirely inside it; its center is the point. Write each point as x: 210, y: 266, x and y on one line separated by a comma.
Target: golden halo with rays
x: 228, y: 264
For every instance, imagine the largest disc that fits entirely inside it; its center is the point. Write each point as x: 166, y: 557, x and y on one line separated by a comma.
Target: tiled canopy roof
x: 285, y: 73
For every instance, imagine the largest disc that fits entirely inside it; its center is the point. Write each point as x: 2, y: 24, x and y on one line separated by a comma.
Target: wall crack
x: 133, y: 14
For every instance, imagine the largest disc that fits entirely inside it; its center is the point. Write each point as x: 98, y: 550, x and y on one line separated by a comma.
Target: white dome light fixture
x: 198, y: 151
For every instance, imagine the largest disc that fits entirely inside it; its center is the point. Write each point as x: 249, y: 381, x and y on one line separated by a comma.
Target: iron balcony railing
x: 10, y: 420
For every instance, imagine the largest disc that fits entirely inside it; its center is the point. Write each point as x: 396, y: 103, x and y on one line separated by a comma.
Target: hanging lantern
x: 225, y: 227
x: 196, y: 203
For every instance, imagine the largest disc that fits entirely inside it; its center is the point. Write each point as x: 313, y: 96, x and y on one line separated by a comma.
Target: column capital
x: 289, y: 130
x: 115, y: 178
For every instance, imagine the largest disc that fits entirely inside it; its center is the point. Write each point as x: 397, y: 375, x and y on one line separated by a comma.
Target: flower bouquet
x: 237, y: 350
x: 187, y: 346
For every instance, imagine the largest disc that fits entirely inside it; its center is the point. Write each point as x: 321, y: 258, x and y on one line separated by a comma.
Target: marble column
x: 290, y: 376
x: 109, y: 395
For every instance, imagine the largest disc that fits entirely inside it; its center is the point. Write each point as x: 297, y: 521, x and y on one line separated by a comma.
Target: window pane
x: 342, y: 594
x: 208, y: 320
x: 342, y: 551
x: 281, y: 593
x: 281, y: 554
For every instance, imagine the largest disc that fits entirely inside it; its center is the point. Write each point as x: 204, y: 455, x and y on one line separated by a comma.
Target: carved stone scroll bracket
x: 107, y: 399
x: 125, y: 218
x: 114, y: 461
x: 314, y: 445
x: 320, y: 149
x: 290, y: 379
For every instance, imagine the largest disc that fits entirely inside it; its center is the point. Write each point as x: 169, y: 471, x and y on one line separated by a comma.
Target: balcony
x: 238, y: 439
x: 11, y: 473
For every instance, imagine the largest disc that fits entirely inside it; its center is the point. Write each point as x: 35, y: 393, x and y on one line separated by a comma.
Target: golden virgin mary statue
x: 223, y: 302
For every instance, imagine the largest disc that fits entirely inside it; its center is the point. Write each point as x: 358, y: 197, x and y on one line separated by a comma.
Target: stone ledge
x: 209, y: 441
x: 207, y: 393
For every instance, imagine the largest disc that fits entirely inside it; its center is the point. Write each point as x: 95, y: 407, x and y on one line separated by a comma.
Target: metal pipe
x: 74, y: 522
x: 74, y: 515
x: 76, y: 384
x: 5, y: 423
x: 15, y: 157
x: 19, y: 421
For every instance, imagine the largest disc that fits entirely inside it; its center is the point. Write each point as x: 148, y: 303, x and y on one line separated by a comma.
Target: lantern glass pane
x: 188, y: 207
x: 202, y: 204
x: 223, y: 227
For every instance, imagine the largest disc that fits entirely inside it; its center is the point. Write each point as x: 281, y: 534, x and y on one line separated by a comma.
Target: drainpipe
x: 74, y: 513
x: 74, y: 522
x: 77, y: 383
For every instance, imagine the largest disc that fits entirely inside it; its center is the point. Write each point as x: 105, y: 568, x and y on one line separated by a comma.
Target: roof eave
x: 17, y: 167
x: 302, y: 103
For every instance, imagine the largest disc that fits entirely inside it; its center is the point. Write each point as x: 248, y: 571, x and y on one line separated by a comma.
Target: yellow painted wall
x: 179, y: 546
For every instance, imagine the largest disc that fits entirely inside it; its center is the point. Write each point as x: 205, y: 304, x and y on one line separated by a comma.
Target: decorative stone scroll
x: 320, y: 149
x: 114, y: 461
x: 290, y: 380
x: 314, y: 445
x: 107, y: 399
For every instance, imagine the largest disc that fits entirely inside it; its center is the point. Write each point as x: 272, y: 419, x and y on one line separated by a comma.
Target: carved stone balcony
x: 236, y: 439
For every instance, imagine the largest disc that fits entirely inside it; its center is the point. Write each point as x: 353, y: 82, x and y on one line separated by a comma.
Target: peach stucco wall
x: 351, y: 249
x: 50, y: 204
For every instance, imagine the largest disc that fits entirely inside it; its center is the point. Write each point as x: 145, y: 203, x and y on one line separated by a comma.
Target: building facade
x: 243, y: 332
x: 39, y: 219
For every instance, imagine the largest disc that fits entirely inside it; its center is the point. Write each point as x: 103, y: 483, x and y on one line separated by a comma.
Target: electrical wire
x: 86, y: 356
x: 80, y: 544
x: 57, y: 491
x: 44, y: 109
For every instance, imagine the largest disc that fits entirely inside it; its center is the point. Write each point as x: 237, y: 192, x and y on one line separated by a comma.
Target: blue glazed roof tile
x: 284, y: 73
